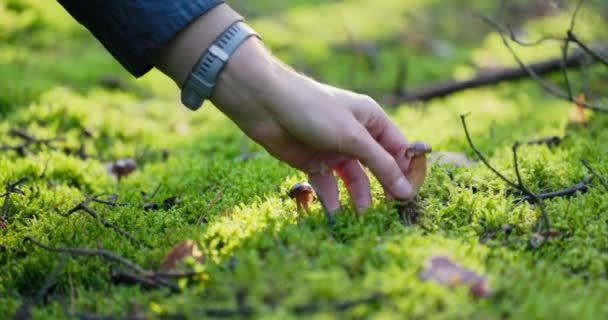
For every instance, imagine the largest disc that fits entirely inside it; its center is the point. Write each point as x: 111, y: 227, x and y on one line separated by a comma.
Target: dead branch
x: 445, y: 88
x: 120, y: 276
x: 580, y: 187
x: 29, y: 140
x: 546, y: 85
x: 83, y: 206
x: 108, y: 255
x: 146, y: 278
x: 551, y: 141
x: 543, y: 220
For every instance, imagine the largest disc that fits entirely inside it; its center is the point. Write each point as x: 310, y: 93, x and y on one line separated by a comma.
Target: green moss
x: 253, y: 238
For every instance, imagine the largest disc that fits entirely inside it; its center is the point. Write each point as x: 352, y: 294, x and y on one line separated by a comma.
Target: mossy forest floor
x: 261, y: 258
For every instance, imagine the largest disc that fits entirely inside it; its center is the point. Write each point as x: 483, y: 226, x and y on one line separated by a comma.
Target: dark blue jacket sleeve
x: 132, y: 30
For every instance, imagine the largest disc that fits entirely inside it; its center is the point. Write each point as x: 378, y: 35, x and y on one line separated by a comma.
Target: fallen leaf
x: 578, y: 113
x: 551, y: 233
x: 180, y: 252
x: 448, y: 157
x: 443, y: 271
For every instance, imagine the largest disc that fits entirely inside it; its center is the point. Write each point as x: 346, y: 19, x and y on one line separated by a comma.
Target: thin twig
x: 108, y: 255
x: 83, y: 206
x: 519, y: 186
x: 209, y: 205
x: 108, y: 202
x: 548, y: 141
x: 29, y: 140
x: 481, y: 156
x: 575, y: 14
x: 565, y: 71
x: 550, y: 88
x: 147, y: 282
x: 595, y: 174
x: 544, y: 217
x: 581, y: 187
x: 595, y: 55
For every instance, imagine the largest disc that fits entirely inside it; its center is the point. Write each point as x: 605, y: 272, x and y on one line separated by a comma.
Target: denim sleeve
x: 132, y: 30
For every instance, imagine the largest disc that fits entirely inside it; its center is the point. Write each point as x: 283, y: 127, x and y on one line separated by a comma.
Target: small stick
x: 83, y: 206
x: 209, y: 205
x: 108, y: 255
x: 553, y: 90
x: 581, y: 187
x: 519, y: 186
x: 595, y: 174
x: 125, y: 277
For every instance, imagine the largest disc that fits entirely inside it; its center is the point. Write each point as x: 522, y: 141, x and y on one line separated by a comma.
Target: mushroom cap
x: 124, y: 166
x: 300, y: 189
x: 417, y: 148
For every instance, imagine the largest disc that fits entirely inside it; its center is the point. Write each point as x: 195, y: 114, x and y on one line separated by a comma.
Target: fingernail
x: 402, y: 189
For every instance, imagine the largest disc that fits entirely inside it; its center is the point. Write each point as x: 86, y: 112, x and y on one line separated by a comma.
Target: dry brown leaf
x: 446, y: 272
x: 578, y: 113
x: 181, y: 251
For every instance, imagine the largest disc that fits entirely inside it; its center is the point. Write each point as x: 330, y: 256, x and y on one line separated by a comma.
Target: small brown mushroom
x: 416, y: 172
x: 122, y: 167
x: 302, y: 193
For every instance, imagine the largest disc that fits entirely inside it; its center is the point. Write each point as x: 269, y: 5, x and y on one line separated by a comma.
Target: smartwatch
x: 201, y: 80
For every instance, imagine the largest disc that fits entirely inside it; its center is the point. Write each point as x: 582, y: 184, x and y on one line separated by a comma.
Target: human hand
x: 313, y: 127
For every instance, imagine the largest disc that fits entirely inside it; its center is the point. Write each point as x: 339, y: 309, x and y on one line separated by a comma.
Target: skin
x: 314, y: 127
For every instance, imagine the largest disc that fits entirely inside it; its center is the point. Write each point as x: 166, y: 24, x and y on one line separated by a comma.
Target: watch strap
x: 201, y: 81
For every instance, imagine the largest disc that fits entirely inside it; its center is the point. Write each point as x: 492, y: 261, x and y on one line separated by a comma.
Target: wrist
x: 178, y: 56
x: 252, y: 76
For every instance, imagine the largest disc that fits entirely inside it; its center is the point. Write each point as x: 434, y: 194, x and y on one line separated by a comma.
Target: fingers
x: 357, y: 183
x: 327, y: 187
x: 383, y: 130
x: 360, y: 144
